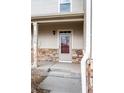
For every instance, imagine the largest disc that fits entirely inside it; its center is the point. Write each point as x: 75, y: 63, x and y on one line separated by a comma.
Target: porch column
x: 35, y: 38
x: 87, y: 44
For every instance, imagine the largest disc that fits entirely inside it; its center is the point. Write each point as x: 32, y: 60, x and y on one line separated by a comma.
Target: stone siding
x: 77, y: 55
x: 89, y: 76
x: 52, y: 55
x: 45, y: 54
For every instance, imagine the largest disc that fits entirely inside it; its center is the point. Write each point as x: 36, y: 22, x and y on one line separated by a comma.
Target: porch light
x: 54, y: 32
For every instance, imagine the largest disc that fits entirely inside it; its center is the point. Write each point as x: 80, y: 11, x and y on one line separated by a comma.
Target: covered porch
x: 60, y: 40
x: 57, y: 38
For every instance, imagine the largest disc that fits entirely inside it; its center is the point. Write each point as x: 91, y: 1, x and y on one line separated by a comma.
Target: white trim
x: 65, y: 2
x: 35, y: 38
x: 83, y: 73
x: 58, y: 31
x: 58, y: 6
x: 71, y: 5
x: 63, y: 20
x: 53, y: 15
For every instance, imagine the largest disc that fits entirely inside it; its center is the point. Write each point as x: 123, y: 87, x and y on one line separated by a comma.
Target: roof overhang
x: 58, y: 18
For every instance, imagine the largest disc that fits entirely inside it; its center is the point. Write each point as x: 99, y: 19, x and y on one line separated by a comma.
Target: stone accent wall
x: 89, y: 76
x: 47, y: 54
x: 77, y: 55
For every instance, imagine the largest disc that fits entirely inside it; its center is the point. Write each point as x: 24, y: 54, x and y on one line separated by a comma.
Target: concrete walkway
x: 61, y: 85
x: 62, y: 78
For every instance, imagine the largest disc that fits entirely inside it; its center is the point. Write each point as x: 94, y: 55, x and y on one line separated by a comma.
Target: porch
x: 47, y: 50
x: 57, y: 38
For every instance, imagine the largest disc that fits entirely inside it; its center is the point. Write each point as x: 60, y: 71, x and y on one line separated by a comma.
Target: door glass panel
x: 64, y: 44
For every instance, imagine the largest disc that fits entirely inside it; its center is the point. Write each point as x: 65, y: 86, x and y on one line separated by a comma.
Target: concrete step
x: 64, y: 74
x: 66, y: 67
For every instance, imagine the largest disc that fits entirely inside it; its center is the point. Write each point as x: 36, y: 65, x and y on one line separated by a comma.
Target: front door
x: 65, y: 46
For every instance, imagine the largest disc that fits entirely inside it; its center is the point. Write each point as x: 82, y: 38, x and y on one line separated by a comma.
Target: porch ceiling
x: 58, y: 18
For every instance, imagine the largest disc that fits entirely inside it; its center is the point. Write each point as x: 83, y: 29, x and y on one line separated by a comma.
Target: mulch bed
x: 36, y: 79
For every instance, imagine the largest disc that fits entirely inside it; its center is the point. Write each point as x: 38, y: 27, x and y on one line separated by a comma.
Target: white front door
x: 65, y: 46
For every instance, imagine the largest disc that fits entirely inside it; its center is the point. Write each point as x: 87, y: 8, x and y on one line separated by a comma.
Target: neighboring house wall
x: 41, y: 7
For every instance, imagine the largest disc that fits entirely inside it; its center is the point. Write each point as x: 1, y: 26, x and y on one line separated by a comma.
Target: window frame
x: 64, y: 2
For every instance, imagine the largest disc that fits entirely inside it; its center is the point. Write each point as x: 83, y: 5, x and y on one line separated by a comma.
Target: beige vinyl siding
x: 77, y: 6
x: 44, y: 7
x: 40, y: 7
x: 46, y: 39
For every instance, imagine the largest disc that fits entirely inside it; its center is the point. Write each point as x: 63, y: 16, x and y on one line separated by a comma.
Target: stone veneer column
x: 35, y: 37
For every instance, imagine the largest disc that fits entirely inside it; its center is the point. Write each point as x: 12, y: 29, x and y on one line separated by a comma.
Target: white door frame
x: 58, y: 41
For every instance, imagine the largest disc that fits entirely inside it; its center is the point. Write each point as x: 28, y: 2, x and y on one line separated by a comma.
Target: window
x: 65, y: 6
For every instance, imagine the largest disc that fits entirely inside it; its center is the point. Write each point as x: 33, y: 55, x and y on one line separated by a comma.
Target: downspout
x: 91, y: 29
